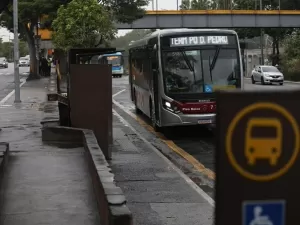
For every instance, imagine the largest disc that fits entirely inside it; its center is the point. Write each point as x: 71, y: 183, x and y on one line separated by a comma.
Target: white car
x: 24, y: 62
x: 267, y: 75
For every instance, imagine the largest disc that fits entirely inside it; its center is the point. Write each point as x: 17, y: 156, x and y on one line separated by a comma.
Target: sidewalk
x: 51, y: 185
x: 42, y: 184
x: 156, y: 192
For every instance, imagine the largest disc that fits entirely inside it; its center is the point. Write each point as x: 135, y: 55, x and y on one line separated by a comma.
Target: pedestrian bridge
x: 216, y: 19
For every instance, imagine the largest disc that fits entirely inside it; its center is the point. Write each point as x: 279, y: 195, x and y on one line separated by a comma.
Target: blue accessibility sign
x: 264, y: 213
x: 207, y: 88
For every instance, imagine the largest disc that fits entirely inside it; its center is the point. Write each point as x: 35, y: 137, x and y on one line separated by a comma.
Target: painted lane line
x: 114, y: 95
x: 185, y: 177
x: 23, y: 81
x: 189, y: 158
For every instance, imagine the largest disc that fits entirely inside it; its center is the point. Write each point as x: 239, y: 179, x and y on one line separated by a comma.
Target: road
x: 198, y: 142
x: 7, y: 78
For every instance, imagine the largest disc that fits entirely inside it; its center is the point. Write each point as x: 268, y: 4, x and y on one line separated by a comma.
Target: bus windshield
x: 189, y: 71
x: 114, y: 60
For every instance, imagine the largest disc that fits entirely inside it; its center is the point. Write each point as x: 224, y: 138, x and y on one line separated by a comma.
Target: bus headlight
x: 171, y: 106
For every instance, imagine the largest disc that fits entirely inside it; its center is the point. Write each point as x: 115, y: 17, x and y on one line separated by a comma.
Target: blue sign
x: 207, y: 88
x: 264, y: 213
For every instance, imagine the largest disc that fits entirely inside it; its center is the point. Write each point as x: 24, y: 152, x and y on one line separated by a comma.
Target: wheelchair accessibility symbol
x: 208, y: 88
x: 264, y: 213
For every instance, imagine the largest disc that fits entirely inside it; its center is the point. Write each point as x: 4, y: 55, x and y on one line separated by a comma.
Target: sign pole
x: 16, y: 53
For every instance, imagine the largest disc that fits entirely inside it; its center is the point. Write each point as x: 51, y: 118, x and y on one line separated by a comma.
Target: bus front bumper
x: 170, y: 119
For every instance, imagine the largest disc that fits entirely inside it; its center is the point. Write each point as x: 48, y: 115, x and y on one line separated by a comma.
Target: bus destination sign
x: 199, y: 40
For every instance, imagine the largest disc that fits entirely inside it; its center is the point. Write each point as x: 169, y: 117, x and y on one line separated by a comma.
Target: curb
x: 4, y: 155
x: 110, y: 198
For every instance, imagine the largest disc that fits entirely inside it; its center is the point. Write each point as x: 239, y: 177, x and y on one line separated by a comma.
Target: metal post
x: 177, y: 5
x: 262, y: 40
x: 37, y: 50
x: 152, y: 5
x: 16, y: 52
x: 156, y: 5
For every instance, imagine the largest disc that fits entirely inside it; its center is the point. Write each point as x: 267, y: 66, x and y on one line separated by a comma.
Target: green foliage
x: 198, y: 4
x: 6, y: 49
x: 291, y: 57
x: 29, y: 12
x: 123, y: 41
x: 80, y: 24
x: 125, y: 11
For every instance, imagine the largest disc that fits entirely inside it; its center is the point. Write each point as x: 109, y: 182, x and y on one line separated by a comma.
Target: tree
x: 125, y: 11
x: 123, y: 41
x: 6, y: 49
x: 29, y: 13
x: 82, y: 24
x: 3, y: 5
x: 31, y: 10
x: 291, y: 59
x: 197, y: 4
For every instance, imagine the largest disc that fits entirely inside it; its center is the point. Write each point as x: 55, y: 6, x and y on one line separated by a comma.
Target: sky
x: 158, y: 4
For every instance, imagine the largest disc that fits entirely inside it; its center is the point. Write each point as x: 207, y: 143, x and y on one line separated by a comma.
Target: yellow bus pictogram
x: 263, y: 148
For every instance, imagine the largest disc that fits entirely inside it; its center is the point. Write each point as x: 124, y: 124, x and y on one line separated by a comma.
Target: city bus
x: 174, y: 73
x: 117, y: 62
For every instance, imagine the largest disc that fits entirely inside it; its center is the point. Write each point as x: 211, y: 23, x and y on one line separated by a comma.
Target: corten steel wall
x: 91, y: 101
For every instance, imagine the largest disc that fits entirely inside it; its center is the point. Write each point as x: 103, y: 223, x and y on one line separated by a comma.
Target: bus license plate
x: 204, y: 121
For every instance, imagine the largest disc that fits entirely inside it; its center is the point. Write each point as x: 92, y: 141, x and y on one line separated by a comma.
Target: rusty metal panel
x: 90, y: 98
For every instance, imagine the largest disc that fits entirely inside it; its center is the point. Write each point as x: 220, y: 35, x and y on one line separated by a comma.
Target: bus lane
x: 192, y: 149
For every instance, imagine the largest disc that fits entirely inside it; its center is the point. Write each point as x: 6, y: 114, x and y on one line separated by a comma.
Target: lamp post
x: 262, y: 40
x: 16, y: 53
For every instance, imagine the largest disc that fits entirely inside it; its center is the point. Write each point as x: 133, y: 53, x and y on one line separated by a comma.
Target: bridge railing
x: 224, y: 12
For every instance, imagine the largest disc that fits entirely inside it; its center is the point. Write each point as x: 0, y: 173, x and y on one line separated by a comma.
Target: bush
x: 291, y: 69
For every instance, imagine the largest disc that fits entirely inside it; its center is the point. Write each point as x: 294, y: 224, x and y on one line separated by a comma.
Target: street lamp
x: 262, y: 40
x: 16, y: 52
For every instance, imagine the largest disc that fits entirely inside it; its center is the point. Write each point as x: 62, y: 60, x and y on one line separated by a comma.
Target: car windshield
x: 114, y: 60
x: 200, y: 71
x: 269, y: 69
x: 23, y: 59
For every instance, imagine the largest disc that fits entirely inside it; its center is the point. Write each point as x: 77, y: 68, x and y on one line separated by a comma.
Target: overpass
x: 163, y: 19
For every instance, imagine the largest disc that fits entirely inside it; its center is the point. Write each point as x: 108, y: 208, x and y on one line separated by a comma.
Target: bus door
x: 130, y: 76
x: 155, y: 80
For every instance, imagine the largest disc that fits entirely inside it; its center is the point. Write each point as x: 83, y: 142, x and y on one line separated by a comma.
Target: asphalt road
x: 7, y: 78
x: 199, y: 142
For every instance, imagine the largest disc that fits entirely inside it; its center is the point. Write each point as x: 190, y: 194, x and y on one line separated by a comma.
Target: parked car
x: 23, y: 61
x: 267, y: 75
x: 3, y: 62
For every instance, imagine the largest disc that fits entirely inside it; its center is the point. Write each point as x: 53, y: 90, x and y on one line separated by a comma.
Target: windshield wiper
x: 187, y: 61
x: 192, y: 69
x: 212, y: 66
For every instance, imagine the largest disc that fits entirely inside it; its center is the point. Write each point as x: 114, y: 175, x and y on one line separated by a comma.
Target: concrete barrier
x: 110, y: 198
x: 4, y: 155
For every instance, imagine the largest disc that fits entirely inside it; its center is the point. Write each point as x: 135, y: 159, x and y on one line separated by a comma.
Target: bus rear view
x: 117, y: 62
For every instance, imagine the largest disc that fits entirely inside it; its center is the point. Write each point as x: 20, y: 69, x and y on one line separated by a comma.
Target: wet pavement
x: 156, y: 193
x: 42, y: 184
x: 196, y: 141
